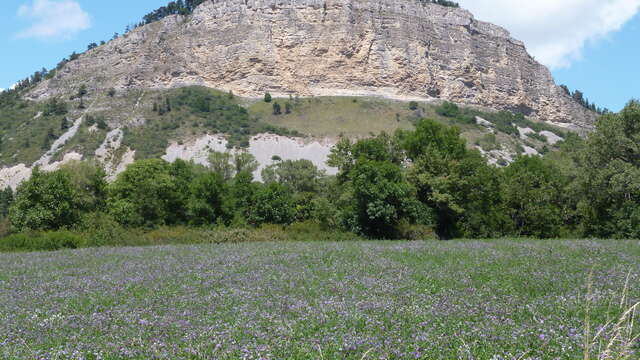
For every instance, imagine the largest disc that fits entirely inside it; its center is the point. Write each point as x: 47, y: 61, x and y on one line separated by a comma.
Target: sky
x: 590, y: 45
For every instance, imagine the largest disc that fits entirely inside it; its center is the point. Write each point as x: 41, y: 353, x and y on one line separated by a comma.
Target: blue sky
x: 609, y: 72
x: 591, y: 45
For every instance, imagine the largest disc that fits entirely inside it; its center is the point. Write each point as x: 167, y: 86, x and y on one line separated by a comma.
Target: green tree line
x: 412, y: 184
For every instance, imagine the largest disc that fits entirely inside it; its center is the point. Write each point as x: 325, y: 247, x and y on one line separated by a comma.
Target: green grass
x: 23, y: 133
x: 198, y: 110
x: 332, y: 116
x: 498, y: 299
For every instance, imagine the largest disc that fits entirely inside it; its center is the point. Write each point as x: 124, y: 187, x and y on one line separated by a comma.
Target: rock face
x: 401, y: 49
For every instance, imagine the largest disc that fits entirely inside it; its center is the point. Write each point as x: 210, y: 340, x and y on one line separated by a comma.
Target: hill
x: 345, y: 67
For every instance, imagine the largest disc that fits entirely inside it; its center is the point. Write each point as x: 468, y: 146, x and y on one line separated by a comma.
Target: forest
x: 413, y: 184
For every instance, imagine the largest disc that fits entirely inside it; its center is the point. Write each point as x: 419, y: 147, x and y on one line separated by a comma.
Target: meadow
x: 498, y: 299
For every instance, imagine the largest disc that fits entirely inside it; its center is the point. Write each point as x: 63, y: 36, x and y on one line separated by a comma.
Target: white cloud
x: 556, y: 31
x: 53, y: 19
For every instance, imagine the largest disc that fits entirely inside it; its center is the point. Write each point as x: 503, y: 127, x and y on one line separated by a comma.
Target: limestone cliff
x: 401, y: 49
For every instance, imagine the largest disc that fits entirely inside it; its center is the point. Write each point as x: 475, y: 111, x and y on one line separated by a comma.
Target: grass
x: 501, y: 299
x: 197, y: 110
x: 332, y: 116
x: 23, y: 133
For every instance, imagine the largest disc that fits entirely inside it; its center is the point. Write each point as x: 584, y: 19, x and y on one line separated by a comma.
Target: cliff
x: 400, y: 49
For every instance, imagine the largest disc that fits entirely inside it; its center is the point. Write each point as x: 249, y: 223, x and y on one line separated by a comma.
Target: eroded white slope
x: 264, y: 147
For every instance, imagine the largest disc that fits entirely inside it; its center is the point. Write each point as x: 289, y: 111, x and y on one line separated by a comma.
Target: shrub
x: 44, y: 241
x: 448, y: 109
x: 408, y: 231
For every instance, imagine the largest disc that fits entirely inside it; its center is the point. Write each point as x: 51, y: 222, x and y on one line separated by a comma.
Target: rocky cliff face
x: 395, y: 48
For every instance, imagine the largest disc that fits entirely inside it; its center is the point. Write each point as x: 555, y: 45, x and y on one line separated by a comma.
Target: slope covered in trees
x: 408, y: 185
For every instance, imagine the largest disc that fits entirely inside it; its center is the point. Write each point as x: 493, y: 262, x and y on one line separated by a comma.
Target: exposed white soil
x: 197, y: 150
x: 13, y: 176
x: 494, y: 156
x: 530, y: 151
x: 551, y: 137
x: 108, y: 153
x: 524, y: 132
x: 264, y: 147
x: 59, y: 143
x: 483, y: 122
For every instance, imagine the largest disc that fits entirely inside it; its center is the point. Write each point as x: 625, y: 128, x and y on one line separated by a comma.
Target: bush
x: 100, y: 229
x: 408, y: 231
x: 448, y: 109
x: 43, y: 241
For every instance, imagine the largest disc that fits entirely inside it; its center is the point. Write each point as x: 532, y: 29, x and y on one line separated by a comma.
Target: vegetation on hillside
x: 192, y: 111
x: 408, y: 185
x: 28, y: 129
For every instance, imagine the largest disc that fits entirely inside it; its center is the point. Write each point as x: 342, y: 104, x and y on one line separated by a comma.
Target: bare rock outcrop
x: 403, y: 49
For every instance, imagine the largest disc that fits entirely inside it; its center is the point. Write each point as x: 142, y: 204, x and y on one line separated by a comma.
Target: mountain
x: 384, y: 52
x: 402, y: 49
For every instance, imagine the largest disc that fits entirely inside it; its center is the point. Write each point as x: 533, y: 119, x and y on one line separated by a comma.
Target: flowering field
x: 319, y: 300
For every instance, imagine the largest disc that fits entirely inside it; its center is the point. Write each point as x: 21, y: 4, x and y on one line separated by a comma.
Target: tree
x: 143, y: 194
x: 456, y: 183
x: 64, y: 124
x: 272, y: 204
x: 241, y: 192
x: 48, y: 139
x: 101, y: 123
x: 206, y: 203
x: 267, y: 97
x: 381, y: 148
x: 381, y: 198
x: 610, y: 181
x: 183, y: 174
x: 276, y: 109
x: 6, y: 200
x: 297, y: 175
x: 82, y: 91
x: 532, y: 191
x: 228, y: 164
x: 244, y: 161
x: 47, y: 201
x: 55, y: 106
x: 287, y: 108
x: 220, y: 162
x: 448, y: 109
x: 89, y: 181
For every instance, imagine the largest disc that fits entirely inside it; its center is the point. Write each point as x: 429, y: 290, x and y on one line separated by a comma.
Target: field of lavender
x: 323, y: 300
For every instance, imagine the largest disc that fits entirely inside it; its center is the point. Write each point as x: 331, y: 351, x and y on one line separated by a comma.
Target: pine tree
x: 276, y: 109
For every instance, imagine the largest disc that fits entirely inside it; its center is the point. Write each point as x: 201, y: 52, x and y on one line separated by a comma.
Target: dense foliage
x: 178, y: 7
x: 193, y: 110
x: 412, y: 184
